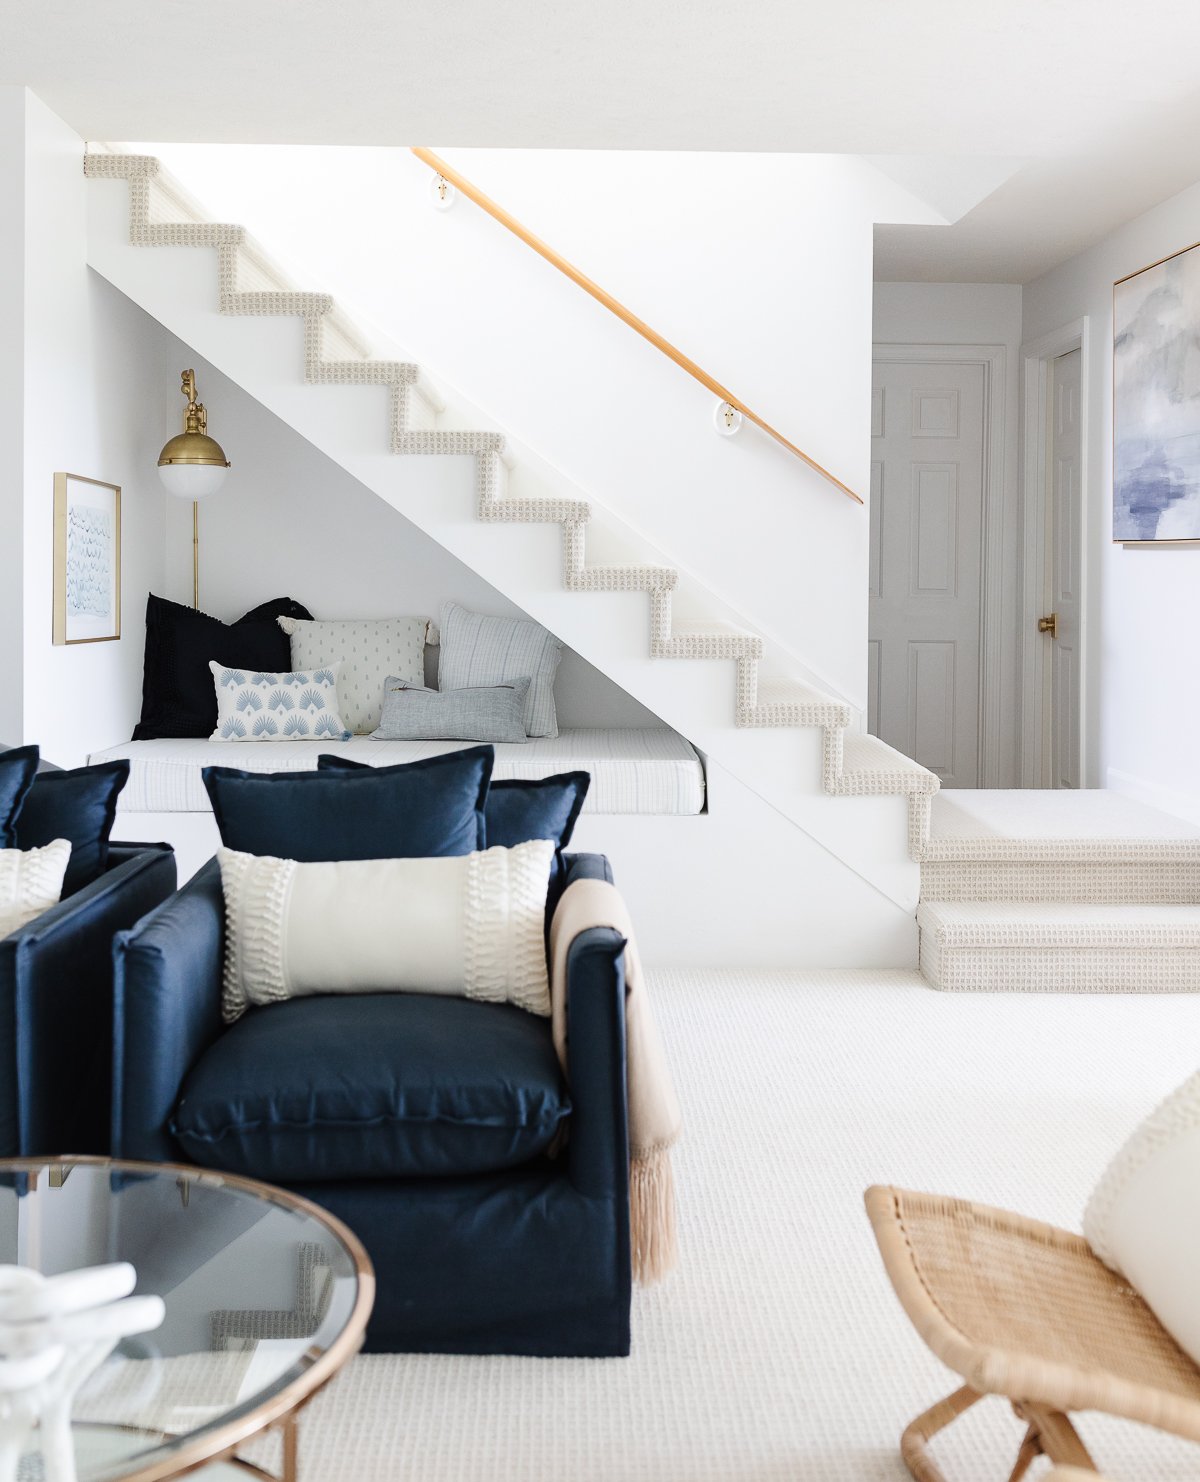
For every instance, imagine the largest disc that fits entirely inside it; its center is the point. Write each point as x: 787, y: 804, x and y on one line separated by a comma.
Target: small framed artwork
x: 87, y: 560
x: 1156, y: 392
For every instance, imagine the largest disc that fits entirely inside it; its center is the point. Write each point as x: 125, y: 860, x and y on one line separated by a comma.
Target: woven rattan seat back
x: 1025, y: 1310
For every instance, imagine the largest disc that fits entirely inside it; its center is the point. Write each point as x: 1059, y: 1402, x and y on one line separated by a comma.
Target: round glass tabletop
x: 266, y: 1298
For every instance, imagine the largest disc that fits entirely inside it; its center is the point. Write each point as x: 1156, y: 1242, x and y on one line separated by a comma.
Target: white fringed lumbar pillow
x: 1144, y: 1214
x: 471, y: 925
x: 300, y: 706
x: 31, y: 881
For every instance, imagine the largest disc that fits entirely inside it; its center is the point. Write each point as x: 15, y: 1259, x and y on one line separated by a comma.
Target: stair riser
x: 1060, y: 969
x: 1118, y: 882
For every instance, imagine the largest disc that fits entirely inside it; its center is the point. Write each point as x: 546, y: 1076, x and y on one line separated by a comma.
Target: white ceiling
x: 1100, y: 99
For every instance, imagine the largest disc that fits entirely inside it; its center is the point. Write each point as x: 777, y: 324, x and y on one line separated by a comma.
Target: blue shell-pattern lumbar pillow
x: 301, y: 705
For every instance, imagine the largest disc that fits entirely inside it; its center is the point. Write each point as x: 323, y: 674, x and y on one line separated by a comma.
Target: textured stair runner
x: 248, y: 283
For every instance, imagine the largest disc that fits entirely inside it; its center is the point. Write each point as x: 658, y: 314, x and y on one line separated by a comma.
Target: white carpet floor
x: 778, y: 1351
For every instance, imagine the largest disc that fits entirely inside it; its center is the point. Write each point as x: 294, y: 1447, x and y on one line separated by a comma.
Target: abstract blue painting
x: 1156, y: 401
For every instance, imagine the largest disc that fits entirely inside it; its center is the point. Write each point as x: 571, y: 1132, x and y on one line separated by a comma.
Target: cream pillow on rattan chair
x: 1144, y: 1214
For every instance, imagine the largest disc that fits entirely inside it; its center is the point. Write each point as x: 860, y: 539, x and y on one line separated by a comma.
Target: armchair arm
x: 166, y: 1013
x: 586, y: 867
x: 119, y: 852
x: 56, y: 994
x: 598, y: 1151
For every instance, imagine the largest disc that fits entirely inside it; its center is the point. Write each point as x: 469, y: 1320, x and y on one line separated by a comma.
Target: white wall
x: 978, y: 314
x: 1143, y: 608
x: 90, y: 364
x: 757, y: 266
x: 289, y: 522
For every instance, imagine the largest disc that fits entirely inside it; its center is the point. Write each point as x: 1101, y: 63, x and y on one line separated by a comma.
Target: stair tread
x: 1088, y: 824
x: 736, y: 630
x: 796, y: 692
x: 1069, y: 923
x: 864, y: 753
x: 656, y: 567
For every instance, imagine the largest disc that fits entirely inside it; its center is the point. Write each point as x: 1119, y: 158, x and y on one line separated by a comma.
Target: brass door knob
x: 1049, y: 625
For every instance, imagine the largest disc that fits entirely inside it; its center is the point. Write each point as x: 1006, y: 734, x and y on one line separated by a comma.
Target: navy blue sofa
x: 439, y: 1157
x: 56, y: 1002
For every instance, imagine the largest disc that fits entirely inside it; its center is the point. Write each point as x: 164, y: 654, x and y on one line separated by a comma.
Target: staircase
x: 1059, y: 892
x: 757, y: 727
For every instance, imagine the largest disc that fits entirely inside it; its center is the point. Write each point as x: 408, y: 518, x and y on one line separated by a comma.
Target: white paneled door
x: 927, y: 452
x: 1060, y: 707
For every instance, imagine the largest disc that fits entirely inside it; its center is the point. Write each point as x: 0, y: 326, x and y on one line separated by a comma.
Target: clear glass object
x: 266, y: 1298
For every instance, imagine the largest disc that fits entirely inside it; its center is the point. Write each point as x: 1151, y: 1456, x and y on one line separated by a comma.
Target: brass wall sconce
x: 192, y: 466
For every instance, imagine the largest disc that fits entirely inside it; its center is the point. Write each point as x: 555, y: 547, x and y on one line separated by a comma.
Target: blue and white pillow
x: 300, y: 706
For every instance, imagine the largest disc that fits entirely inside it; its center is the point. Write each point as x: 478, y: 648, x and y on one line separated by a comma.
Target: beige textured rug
x: 777, y: 1351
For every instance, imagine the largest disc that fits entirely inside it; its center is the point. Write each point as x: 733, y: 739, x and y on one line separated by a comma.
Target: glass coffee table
x: 266, y: 1296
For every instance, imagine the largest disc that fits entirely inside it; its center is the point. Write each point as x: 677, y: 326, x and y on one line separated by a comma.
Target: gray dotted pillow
x: 369, y: 650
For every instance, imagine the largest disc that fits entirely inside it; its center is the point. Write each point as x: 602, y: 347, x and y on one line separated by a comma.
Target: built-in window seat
x: 653, y: 770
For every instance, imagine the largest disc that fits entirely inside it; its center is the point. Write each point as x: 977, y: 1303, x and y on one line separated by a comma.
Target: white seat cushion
x: 650, y: 771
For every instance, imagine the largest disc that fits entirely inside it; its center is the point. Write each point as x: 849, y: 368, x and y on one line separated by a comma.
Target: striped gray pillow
x: 413, y: 713
x: 479, y: 651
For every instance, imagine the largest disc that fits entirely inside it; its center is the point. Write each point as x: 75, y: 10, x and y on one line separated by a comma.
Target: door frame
x: 1036, y: 359
x: 992, y: 361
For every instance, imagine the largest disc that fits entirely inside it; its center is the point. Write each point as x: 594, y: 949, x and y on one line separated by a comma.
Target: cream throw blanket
x: 654, y: 1118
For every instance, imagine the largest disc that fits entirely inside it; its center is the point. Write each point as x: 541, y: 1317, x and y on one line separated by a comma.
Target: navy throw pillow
x: 517, y: 811
x: 417, y: 810
x: 18, y: 768
x: 178, y: 696
x: 80, y: 806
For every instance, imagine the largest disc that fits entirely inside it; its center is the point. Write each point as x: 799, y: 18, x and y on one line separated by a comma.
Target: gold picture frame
x: 87, y: 560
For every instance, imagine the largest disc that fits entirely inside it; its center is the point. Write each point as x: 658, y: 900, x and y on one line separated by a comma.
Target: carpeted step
x: 713, y: 640
x: 1091, y: 846
x: 1059, y: 947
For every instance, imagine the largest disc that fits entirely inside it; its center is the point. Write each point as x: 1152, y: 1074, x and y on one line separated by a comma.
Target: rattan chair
x: 1026, y: 1311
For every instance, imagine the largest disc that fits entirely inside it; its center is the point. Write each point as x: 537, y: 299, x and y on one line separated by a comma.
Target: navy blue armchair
x: 438, y: 1153
x: 56, y: 1003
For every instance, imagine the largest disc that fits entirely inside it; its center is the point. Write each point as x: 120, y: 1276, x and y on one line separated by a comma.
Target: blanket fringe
x: 652, y: 1222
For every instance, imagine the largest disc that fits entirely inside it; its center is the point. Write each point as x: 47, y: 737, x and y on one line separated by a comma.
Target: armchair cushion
x: 367, y: 1087
x: 79, y: 805
x: 416, y: 810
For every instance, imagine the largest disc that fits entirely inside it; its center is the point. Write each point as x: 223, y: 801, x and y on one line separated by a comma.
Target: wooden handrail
x: 543, y: 249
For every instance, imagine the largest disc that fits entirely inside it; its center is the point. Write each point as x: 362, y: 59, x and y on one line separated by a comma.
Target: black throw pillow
x: 18, y: 767
x: 178, y: 696
x: 79, y: 805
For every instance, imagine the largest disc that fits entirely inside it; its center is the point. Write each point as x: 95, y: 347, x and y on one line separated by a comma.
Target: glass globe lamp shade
x: 192, y: 465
